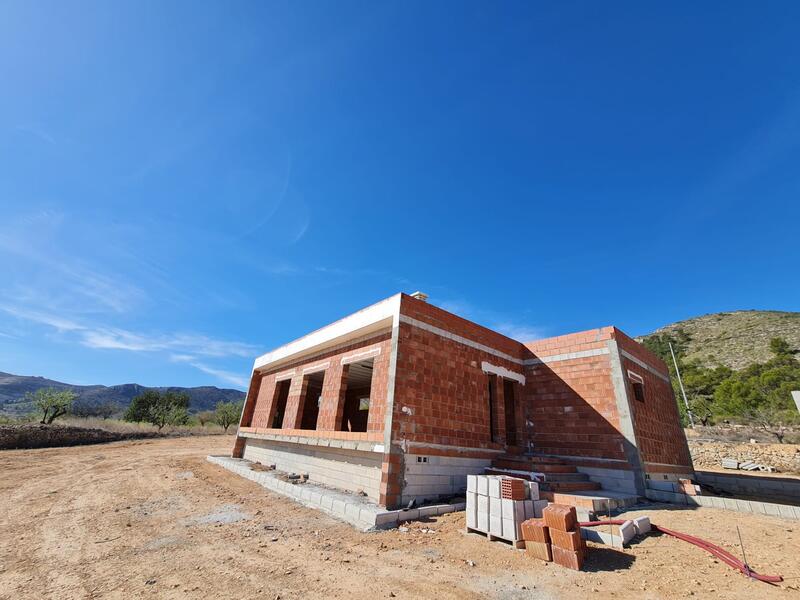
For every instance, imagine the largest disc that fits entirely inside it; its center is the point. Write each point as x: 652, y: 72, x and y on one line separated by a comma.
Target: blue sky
x: 186, y: 185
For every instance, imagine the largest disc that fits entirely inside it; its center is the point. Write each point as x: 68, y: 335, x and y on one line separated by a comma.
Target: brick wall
x: 656, y: 421
x: 572, y: 402
x: 441, y: 382
x: 260, y: 408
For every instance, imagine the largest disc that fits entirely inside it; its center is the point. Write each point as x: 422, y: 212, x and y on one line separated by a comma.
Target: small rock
x: 402, y: 529
x: 150, y: 582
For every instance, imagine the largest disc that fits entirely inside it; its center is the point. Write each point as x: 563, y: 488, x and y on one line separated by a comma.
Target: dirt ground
x: 154, y: 519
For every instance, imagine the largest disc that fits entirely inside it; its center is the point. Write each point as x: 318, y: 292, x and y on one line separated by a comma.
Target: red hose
x: 723, y: 555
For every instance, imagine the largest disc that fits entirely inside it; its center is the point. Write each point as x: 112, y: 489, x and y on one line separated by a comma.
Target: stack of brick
x: 556, y: 537
x: 498, y: 505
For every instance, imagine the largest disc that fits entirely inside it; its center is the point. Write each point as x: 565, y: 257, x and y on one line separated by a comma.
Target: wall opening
x: 281, y: 395
x: 637, y: 382
x: 492, y: 412
x: 510, y: 412
x: 357, y: 385
x: 312, y: 399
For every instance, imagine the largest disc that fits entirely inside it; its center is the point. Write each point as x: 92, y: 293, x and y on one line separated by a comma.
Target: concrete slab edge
x: 353, y: 510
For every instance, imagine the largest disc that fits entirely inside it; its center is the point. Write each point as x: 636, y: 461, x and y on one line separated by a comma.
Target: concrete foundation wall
x: 439, y: 476
x: 349, y: 470
x: 752, y: 485
x: 618, y: 480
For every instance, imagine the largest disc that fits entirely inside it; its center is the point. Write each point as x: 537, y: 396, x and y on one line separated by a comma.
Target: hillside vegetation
x: 736, y: 367
x: 732, y: 339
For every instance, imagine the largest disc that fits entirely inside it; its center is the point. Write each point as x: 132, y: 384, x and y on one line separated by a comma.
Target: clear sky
x: 186, y: 185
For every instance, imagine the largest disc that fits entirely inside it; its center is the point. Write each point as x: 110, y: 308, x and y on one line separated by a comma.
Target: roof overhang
x: 377, y: 317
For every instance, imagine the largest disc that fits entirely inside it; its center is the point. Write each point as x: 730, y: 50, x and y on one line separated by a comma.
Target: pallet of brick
x: 567, y: 546
x: 489, y: 513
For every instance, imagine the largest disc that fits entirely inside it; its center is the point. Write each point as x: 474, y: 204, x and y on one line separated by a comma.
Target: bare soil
x: 153, y: 518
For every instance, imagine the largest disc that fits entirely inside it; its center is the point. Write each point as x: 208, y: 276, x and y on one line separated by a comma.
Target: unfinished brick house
x: 402, y: 400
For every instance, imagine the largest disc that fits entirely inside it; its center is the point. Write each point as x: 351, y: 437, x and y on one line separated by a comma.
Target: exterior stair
x: 554, y: 476
x: 562, y: 483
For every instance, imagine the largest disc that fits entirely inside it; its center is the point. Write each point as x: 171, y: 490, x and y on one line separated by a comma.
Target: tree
x: 761, y: 393
x: 87, y: 408
x: 206, y: 416
x: 228, y: 413
x: 159, y: 408
x: 52, y: 402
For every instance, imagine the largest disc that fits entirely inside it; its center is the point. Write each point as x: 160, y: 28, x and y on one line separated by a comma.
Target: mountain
x: 14, y: 387
x: 733, y: 339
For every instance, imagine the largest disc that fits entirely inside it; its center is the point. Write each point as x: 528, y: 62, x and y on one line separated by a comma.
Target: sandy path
x: 153, y: 518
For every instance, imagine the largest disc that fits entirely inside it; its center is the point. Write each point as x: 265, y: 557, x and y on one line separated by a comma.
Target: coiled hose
x: 723, y: 555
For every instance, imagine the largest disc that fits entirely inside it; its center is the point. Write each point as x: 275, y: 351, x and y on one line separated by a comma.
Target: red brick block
x: 539, y: 550
x: 512, y: 489
x: 560, y: 517
x: 567, y: 558
x: 567, y: 540
x: 535, y: 530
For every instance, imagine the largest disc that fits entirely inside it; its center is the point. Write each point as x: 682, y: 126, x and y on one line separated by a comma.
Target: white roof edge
x: 380, y: 311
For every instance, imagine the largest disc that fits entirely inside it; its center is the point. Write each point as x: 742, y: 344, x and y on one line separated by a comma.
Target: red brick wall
x: 441, y: 380
x: 656, y: 421
x: 572, y: 402
x: 262, y: 394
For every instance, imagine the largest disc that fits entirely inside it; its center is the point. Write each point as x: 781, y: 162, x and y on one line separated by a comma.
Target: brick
x: 560, y: 516
x: 567, y: 558
x: 539, y: 550
x: 535, y: 530
x: 568, y: 540
x: 538, y: 508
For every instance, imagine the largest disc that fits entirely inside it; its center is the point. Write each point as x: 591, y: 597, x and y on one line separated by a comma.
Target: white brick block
x: 483, y: 485
x: 496, y: 526
x: 495, y: 507
x: 472, y: 518
x: 641, y: 525
x: 483, y: 521
x: 511, y: 530
x: 494, y: 487
x: 507, y: 508
x: 472, y: 483
x: 472, y: 501
x: 528, y: 506
x: 533, y: 489
x: 538, y: 507
x: 627, y: 531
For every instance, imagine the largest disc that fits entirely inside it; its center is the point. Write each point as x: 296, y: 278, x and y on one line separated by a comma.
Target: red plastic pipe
x: 723, y: 555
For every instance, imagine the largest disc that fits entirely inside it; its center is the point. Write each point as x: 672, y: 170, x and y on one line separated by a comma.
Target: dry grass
x: 119, y: 426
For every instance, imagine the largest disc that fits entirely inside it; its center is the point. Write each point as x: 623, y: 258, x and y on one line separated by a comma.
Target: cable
x: 723, y: 555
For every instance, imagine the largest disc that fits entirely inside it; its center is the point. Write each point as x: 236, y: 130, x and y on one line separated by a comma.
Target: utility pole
x: 680, y: 383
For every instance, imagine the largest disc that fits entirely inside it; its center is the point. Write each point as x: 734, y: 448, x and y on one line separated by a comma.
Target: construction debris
x: 748, y: 465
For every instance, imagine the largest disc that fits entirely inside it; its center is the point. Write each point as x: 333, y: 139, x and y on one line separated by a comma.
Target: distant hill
x: 733, y: 339
x: 14, y: 387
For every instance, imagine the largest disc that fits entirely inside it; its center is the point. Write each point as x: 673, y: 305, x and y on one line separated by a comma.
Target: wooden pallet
x: 518, y: 544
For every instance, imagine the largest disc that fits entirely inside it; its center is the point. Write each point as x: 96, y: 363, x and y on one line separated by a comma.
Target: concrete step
x: 548, y: 477
x: 569, y: 486
x: 599, y: 501
x: 527, y: 465
x: 532, y: 457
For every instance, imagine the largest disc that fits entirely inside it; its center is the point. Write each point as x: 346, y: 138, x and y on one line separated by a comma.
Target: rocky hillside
x: 14, y: 387
x: 734, y: 339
